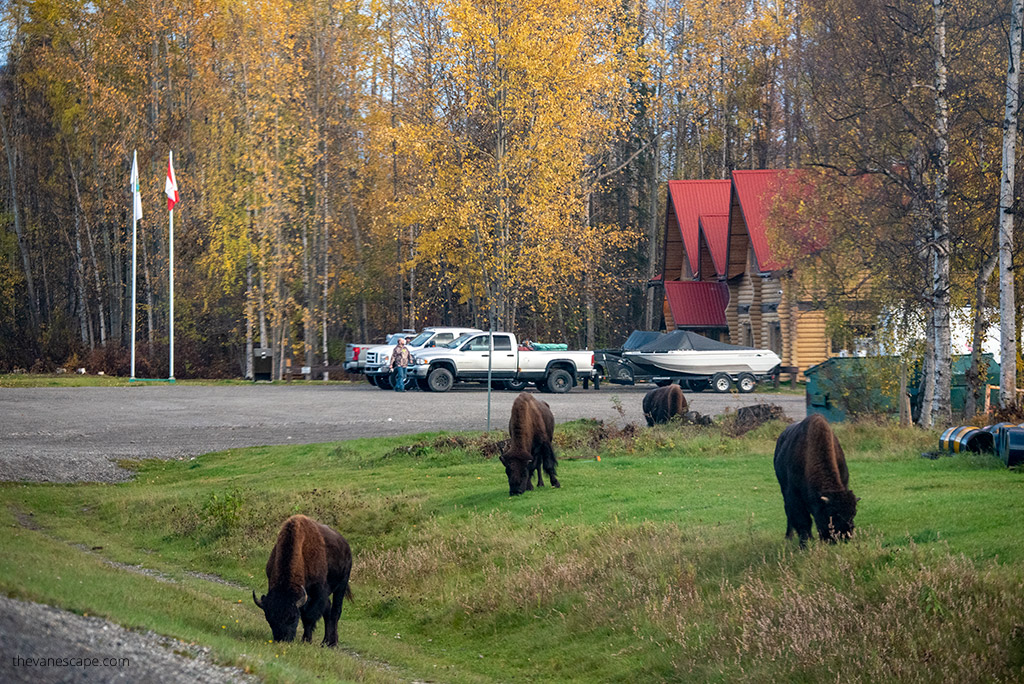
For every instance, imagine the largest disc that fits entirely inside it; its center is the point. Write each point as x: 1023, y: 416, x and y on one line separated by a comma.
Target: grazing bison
x: 663, y: 403
x: 309, y: 563
x: 530, y: 429
x: 812, y: 474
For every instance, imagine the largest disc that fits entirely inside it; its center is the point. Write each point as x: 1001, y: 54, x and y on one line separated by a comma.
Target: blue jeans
x: 398, y: 378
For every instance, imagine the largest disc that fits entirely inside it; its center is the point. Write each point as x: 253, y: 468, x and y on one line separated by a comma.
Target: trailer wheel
x: 721, y: 383
x: 440, y: 380
x: 697, y: 385
x: 559, y: 381
x: 746, y: 383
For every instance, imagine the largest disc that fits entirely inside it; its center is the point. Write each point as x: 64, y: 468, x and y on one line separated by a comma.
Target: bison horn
x: 825, y: 499
x: 302, y: 601
x: 258, y: 602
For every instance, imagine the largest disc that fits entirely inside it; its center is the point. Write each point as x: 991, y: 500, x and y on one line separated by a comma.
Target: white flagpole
x: 171, y: 375
x: 135, y: 227
x: 171, y: 189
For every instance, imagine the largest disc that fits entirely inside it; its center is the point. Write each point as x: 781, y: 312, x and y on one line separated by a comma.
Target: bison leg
x: 332, y: 616
x: 535, y: 464
x: 549, y: 465
x: 797, y: 520
x: 312, y: 612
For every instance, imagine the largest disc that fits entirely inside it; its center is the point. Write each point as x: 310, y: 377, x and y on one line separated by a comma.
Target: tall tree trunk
x: 249, y: 319
x: 148, y: 284
x: 19, y: 232
x: 1007, y: 307
x: 941, y: 238
x: 83, y: 306
x: 92, y: 251
x: 977, y: 381
x: 652, y: 235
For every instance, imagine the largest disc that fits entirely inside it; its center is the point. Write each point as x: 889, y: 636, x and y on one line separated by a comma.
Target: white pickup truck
x: 378, y: 359
x: 355, y: 353
x: 467, y: 358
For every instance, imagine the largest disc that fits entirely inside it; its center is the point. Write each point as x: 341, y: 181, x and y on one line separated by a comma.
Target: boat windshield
x: 459, y: 340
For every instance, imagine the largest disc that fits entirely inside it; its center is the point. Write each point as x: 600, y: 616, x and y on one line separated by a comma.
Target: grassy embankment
x: 663, y: 561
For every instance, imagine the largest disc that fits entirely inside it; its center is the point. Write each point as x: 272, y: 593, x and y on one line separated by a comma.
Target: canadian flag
x: 171, y: 186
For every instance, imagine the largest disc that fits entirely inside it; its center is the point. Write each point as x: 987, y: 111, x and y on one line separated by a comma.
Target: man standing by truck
x: 400, y: 361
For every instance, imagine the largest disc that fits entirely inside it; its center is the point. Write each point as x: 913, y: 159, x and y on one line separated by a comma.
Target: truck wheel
x: 422, y: 384
x: 721, y: 383
x: 440, y: 380
x: 746, y: 383
x: 515, y: 385
x: 559, y: 381
x: 384, y: 382
x: 662, y: 383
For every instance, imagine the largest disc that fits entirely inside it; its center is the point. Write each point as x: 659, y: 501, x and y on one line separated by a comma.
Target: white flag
x: 136, y: 194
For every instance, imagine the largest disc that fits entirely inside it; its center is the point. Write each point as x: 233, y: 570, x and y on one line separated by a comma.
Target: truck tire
x: 721, y: 383
x: 746, y: 383
x: 384, y: 382
x: 440, y: 380
x: 663, y: 383
x: 515, y: 385
x: 422, y: 384
x: 559, y: 381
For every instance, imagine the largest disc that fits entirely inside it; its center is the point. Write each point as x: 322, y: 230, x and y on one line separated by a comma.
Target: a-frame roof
x: 754, y: 192
x: 715, y: 228
x: 690, y: 199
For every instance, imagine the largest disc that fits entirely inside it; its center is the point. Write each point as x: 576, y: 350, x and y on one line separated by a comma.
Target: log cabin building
x: 721, y: 277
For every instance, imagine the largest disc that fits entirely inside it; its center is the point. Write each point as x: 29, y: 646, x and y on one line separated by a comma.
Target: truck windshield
x: 459, y: 340
x: 421, y: 339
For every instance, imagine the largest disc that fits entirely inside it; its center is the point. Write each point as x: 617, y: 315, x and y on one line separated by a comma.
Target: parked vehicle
x: 694, y: 359
x: 355, y: 353
x: 611, y: 366
x: 466, y: 359
x: 378, y: 359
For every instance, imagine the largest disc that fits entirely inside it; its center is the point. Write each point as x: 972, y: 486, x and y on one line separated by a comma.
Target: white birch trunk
x: 941, y: 410
x: 1007, y: 306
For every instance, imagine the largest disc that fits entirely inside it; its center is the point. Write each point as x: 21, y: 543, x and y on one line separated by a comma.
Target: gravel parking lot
x: 78, y: 434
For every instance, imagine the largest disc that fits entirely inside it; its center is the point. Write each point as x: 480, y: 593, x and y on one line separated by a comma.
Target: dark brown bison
x: 812, y: 473
x: 663, y: 403
x: 309, y: 563
x: 530, y: 430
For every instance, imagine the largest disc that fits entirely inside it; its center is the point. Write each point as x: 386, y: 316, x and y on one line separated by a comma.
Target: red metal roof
x: 756, y: 191
x: 716, y: 234
x: 697, y: 304
x: 691, y: 198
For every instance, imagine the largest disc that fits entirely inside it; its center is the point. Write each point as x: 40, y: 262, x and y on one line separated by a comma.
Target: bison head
x: 837, y: 511
x: 517, y: 469
x: 281, y: 608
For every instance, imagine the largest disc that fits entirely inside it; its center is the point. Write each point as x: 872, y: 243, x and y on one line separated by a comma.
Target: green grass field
x: 662, y: 561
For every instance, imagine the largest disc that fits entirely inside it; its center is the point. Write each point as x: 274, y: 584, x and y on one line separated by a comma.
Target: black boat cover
x: 687, y: 341
x: 639, y: 338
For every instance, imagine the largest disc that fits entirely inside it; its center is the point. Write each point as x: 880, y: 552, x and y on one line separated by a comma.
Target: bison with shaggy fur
x: 811, y: 469
x: 531, y: 429
x: 310, y: 563
x: 661, y: 404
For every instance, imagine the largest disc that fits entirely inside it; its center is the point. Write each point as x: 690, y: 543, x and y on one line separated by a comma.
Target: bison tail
x: 348, y: 593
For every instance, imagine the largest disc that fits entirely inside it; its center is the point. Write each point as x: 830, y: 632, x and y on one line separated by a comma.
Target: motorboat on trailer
x: 688, y: 355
